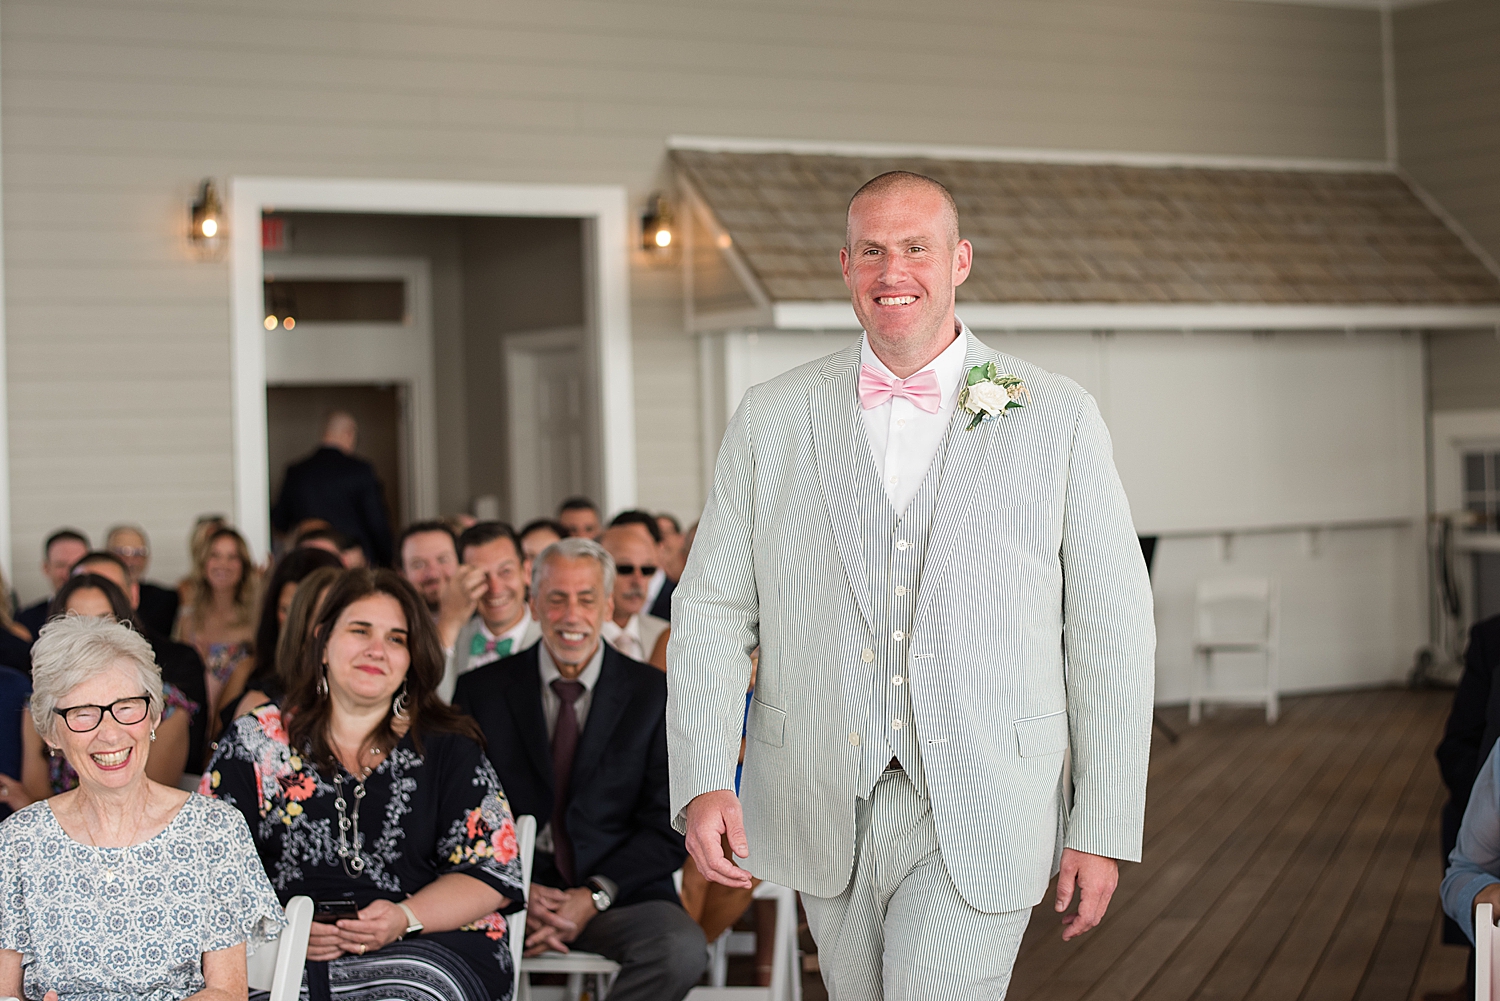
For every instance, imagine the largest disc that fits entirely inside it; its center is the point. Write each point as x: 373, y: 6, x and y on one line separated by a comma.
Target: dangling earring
x: 323, y: 683
x: 153, y: 735
x: 398, y: 704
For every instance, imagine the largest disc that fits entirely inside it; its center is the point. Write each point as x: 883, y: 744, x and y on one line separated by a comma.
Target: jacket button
x: 868, y: 655
x: 854, y: 739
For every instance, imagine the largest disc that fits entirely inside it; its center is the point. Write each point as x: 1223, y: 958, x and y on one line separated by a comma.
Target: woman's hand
x: 12, y: 793
x: 324, y: 942
x: 377, y: 926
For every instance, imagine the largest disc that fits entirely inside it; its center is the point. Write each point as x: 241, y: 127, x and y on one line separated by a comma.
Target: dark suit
x: 617, y: 812
x: 662, y: 606
x: 1473, y: 726
x: 34, y: 617
x: 158, y: 607
x: 183, y: 668
x: 344, y: 491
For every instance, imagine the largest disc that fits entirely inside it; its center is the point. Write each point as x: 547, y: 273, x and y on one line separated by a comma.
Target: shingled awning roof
x: 1101, y: 234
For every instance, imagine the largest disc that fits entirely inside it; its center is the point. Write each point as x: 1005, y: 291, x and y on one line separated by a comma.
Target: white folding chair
x: 576, y: 965
x: 277, y: 966
x: 786, y: 965
x: 1486, y: 955
x: 1235, y: 615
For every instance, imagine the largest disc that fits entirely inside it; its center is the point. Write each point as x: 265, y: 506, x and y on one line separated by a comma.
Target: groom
x: 948, y: 594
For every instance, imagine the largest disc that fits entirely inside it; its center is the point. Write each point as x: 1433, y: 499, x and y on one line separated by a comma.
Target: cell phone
x: 328, y: 911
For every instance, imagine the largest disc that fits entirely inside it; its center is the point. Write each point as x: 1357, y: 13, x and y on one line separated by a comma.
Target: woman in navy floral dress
x: 363, y: 786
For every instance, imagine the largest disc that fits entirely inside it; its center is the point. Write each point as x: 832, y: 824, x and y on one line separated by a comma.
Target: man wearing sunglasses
x: 633, y: 631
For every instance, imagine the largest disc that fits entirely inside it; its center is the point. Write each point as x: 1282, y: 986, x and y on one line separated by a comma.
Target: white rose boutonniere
x: 990, y: 394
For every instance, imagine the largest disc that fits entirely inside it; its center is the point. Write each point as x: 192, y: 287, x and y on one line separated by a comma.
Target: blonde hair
x: 75, y: 648
x: 245, y: 592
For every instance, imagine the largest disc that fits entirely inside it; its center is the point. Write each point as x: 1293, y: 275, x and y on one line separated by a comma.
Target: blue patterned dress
x: 423, y: 816
x: 111, y: 924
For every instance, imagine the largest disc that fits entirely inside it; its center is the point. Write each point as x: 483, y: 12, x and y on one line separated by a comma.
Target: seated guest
x: 577, y: 732
x: 536, y: 536
x: 501, y: 624
x: 158, y: 605
x: 363, y: 786
x: 15, y: 692
x: 429, y: 559
x: 319, y: 535
x: 579, y: 518
x: 659, y: 589
x: 161, y: 891
x: 352, y: 553
x: 632, y: 630
x: 219, y: 619
x: 15, y: 639
x: 296, y: 633
x: 62, y: 549
x: 275, y: 603
x: 181, y: 667
x: 203, y: 527
x: 1473, y: 876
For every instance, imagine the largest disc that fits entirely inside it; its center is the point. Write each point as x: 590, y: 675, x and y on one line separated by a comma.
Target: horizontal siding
x: 113, y: 110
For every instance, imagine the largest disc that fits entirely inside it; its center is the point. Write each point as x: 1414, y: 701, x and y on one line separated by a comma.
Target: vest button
x: 868, y: 655
x: 896, y: 679
x: 895, y: 724
x: 898, y: 636
x: 900, y: 591
x: 903, y: 545
x: 854, y: 739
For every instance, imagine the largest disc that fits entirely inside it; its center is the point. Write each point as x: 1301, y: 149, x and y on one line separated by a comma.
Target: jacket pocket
x: 766, y: 724
x: 1040, y: 735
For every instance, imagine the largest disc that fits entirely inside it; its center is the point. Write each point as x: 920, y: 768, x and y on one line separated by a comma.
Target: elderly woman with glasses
x: 366, y: 792
x: 122, y: 887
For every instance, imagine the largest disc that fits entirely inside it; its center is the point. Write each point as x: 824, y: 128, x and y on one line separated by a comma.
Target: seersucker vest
x: 895, y: 548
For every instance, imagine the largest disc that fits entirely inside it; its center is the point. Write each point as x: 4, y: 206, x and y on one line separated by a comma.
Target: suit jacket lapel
x: 967, y: 456
x: 606, y: 707
x: 840, y: 444
x: 524, y: 696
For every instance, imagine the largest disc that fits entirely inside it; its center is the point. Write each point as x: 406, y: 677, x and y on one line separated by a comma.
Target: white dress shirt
x: 516, y: 634
x: 903, y: 437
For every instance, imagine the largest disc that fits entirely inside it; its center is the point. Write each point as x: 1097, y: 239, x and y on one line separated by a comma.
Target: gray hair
x: 73, y: 649
x: 574, y: 549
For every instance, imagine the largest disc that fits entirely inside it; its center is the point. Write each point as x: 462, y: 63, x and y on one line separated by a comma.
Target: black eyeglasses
x: 82, y: 719
x: 626, y: 569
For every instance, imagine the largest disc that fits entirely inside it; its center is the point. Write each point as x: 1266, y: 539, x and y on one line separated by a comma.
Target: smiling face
x: 367, y: 654
x: 429, y: 561
x: 112, y: 755
x: 570, y: 606
x: 504, y: 598
x: 581, y: 522
x: 130, y: 546
x: 902, y: 263
x: 223, y: 566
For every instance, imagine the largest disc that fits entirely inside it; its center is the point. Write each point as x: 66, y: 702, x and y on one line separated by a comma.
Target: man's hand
x: 711, y: 818
x: 1096, y: 878
x: 556, y: 917
x: 459, y: 599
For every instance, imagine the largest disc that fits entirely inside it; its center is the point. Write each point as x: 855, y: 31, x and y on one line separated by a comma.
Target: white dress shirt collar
x: 948, y: 366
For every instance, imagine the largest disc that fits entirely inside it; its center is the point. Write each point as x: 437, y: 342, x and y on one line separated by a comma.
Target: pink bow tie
x: 876, y: 387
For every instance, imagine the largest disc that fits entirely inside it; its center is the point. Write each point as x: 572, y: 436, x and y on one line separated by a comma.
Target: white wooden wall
x: 1299, y: 455
x: 115, y: 110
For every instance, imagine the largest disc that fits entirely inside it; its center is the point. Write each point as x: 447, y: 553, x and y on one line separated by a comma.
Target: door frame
x: 418, y: 432
x: 605, y: 215
x: 518, y: 351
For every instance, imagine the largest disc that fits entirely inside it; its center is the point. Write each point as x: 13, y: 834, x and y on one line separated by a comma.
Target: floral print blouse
x: 422, y: 816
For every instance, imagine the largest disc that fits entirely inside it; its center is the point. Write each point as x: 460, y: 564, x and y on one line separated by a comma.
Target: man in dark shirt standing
x: 336, y: 485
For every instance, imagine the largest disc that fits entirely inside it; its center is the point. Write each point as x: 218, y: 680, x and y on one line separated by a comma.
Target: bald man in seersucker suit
x: 929, y: 544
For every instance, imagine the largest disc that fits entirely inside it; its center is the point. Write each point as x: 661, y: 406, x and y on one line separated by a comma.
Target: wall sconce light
x: 207, y: 217
x: 656, y: 225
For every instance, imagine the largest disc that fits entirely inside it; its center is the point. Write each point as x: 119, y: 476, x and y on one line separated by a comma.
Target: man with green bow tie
x: 501, y: 624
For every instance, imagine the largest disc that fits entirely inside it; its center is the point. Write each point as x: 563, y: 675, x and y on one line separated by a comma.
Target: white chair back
x: 277, y: 966
x: 1235, y: 610
x: 526, y: 844
x: 1486, y: 977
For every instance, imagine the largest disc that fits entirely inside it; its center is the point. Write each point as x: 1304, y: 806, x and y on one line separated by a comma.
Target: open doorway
x: 494, y: 267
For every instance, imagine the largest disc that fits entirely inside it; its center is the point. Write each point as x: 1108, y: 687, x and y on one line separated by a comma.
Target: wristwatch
x: 604, y: 893
x: 412, y: 924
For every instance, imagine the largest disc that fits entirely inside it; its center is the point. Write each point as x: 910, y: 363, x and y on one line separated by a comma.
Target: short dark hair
x: 482, y: 533
x: 671, y: 520
x: 422, y: 528
x: 550, y: 524
x: 635, y: 516
x: 118, y: 602
x: 577, y: 504
x: 323, y: 535
x: 101, y: 556
x: 64, y: 535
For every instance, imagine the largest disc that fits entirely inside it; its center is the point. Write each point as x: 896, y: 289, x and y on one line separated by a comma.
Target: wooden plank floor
x: 1296, y: 861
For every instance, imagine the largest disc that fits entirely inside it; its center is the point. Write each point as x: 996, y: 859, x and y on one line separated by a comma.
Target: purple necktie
x: 564, y: 744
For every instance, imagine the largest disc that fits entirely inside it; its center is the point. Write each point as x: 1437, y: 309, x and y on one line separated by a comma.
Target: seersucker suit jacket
x: 1033, y: 634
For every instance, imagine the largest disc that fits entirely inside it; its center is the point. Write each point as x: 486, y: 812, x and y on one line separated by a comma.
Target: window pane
x: 352, y: 301
x: 1473, y: 471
